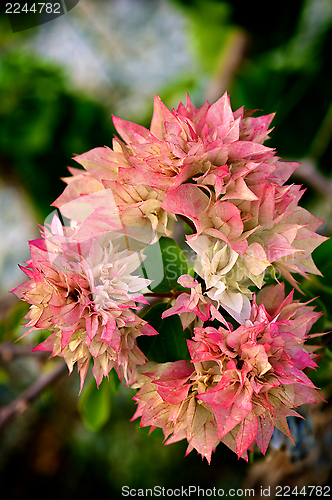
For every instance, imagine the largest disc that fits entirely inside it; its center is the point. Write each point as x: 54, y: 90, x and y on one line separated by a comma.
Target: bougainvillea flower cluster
x: 239, y: 384
x: 207, y: 165
x: 91, y: 283
x: 85, y: 293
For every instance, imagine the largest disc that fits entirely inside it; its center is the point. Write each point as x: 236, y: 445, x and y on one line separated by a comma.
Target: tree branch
x: 160, y: 295
x: 9, y: 351
x: 309, y: 174
x: 29, y: 395
x: 230, y: 60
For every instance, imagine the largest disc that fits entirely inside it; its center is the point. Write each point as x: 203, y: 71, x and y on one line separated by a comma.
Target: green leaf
x: 94, y: 404
x: 165, y: 263
x: 191, y: 271
x: 115, y: 382
x: 170, y: 344
x: 209, y: 28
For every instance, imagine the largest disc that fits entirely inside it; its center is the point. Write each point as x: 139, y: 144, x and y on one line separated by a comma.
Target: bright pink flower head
x: 209, y: 166
x: 240, y: 384
x: 212, y: 145
x: 261, y: 366
x: 99, y: 201
x: 167, y: 399
x: 269, y: 230
x: 86, y: 294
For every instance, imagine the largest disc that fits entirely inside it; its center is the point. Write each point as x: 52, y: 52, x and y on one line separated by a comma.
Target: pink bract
x: 86, y: 294
x: 239, y: 385
x: 211, y: 146
x: 208, y: 165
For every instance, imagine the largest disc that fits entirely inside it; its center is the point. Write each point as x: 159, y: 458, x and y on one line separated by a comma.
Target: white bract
x: 216, y: 264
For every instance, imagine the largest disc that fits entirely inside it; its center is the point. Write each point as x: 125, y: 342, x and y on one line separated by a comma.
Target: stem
x: 20, y: 404
x: 172, y: 294
x: 161, y: 295
x: 229, y: 62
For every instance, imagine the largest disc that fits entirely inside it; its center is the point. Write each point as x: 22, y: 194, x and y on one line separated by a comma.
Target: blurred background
x: 59, y: 85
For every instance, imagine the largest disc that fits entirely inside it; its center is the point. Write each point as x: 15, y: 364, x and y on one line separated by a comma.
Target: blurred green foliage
x: 209, y: 30
x: 10, y: 326
x: 43, y: 124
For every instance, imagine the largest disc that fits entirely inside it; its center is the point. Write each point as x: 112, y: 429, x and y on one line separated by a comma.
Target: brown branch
x: 9, y: 351
x: 7, y: 301
x: 160, y: 295
x: 174, y: 293
x: 309, y: 174
x: 29, y: 395
x: 322, y: 137
x: 231, y: 58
